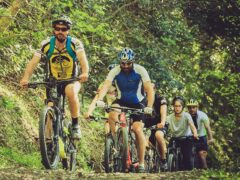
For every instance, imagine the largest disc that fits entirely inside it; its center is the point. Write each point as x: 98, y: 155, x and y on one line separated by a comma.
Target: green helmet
x: 192, y: 102
x: 64, y: 20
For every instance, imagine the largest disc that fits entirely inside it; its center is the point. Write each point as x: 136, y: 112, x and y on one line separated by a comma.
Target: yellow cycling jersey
x: 61, y: 64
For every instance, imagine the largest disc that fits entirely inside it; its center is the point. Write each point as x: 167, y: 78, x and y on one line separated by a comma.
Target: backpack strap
x: 68, y: 47
x: 52, y: 46
x: 70, y: 50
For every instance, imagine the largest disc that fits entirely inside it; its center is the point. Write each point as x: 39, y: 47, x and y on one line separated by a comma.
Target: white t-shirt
x: 202, y: 120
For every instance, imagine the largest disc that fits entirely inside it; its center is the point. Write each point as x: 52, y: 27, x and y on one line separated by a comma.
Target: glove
x: 148, y: 110
x: 100, y: 104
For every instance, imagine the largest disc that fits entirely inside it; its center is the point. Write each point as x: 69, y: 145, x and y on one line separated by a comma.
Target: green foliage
x: 4, y: 12
x: 10, y: 157
x: 219, y: 174
x: 190, y: 48
x: 6, y: 103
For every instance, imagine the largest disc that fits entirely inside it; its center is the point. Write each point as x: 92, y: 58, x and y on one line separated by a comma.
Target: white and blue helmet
x: 126, y: 54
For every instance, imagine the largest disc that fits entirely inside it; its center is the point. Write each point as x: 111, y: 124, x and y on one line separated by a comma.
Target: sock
x: 141, y: 165
x: 74, y: 121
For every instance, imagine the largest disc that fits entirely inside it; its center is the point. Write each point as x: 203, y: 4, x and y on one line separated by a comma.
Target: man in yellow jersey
x: 64, y: 54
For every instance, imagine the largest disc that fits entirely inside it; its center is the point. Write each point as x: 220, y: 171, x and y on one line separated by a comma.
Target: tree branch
x: 5, y: 21
x: 122, y: 7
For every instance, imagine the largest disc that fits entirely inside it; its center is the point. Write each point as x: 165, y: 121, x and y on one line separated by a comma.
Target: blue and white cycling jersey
x: 129, y: 86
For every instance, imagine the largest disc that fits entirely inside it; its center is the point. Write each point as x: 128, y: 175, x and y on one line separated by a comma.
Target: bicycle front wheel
x: 108, y: 154
x: 48, y: 138
x: 172, y: 162
x: 122, y: 148
x: 148, y: 160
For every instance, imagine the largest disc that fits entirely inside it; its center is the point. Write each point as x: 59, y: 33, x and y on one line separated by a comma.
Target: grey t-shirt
x: 202, y: 120
x: 180, y: 127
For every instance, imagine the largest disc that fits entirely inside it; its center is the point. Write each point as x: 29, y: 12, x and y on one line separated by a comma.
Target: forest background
x: 190, y: 48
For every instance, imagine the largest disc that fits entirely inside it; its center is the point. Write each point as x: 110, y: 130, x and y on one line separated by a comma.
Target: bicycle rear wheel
x: 73, y: 161
x: 133, y: 148
x: 70, y: 162
x: 108, y: 154
x: 48, y: 138
x: 195, y: 158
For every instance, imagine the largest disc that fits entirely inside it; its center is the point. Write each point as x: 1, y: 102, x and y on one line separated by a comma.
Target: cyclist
x: 64, y: 53
x: 130, y: 80
x: 181, y: 124
x: 110, y: 97
x: 202, y: 124
x: 159, y: 118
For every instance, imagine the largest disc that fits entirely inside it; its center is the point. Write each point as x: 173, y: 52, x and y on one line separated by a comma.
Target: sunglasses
x: 126, y: 63
x: 64, y: 29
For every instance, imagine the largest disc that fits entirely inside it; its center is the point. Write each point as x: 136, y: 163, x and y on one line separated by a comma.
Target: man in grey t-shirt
x: 202, y: 125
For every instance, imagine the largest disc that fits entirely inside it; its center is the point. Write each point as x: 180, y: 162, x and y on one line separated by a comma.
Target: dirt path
x: 29, y: 174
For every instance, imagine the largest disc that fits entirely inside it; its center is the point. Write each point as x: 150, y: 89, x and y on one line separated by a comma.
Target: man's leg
x: 202, y: 156
x: 162, y: 144
x: 162, y: 148
x: 140, y: 138
x: 113, y: 117
x: 71, y: 92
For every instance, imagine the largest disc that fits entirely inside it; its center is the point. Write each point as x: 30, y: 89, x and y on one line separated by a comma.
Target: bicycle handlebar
x: 125, y: 109
x: 182, y: 138
x: 97, y: 118
x: 52, y: 82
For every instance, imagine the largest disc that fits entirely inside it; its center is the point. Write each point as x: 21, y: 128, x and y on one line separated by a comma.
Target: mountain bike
x: 55, y: 135
x: 152, y: 155
x: 120, y: 151
x: 174, y: 154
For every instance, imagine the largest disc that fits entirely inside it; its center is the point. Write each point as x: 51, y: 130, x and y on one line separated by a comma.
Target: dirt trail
x: 29, y: 174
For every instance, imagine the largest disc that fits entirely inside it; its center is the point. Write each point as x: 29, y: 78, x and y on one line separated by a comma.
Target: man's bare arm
x: 148, y: 88
x: 81, y: 55
x: 29, y: 69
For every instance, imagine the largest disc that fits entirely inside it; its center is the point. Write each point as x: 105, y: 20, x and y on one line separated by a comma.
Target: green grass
x: 219, y: 174
x: 11, y: 157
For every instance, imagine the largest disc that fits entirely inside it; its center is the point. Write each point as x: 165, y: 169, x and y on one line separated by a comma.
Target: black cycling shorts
x: 151, y: 122
x: 51, y: 94
x: 152, y: 137
x: 201, y: 144
x: 140, y: 105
